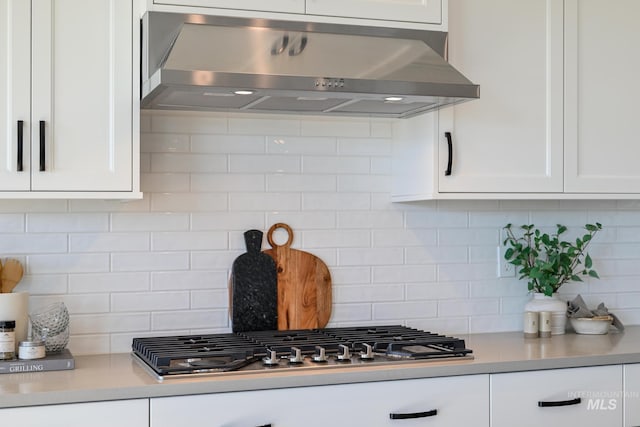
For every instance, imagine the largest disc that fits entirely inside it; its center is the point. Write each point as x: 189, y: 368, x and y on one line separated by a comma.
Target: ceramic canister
x: 15, y: 306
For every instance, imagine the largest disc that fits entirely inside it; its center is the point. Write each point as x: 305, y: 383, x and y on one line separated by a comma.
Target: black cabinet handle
x: 42, y: 146
x: 20, y: 144
x: 265, y: 425
x: 570, y: 402
x: 450, y: 159
x: 430, y: 413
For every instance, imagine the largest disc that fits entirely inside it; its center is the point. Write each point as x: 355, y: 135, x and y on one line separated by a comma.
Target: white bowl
x: 591, y: 326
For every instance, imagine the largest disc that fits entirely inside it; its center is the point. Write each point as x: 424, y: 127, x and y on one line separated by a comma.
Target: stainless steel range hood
x: 201, y: 62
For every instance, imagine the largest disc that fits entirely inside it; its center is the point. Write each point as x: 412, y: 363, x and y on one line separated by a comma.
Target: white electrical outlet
x: 505, y: 268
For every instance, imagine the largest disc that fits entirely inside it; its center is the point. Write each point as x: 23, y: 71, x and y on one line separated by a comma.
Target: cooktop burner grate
x: 264, y: 350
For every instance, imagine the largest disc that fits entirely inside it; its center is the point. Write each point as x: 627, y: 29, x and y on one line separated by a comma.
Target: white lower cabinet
x: 120, y: 413
x: 559, y: 397
x: 632, y: 395
x: 434, y: 402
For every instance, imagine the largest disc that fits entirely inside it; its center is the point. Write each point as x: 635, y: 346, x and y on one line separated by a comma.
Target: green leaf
x: 593, y: 273
x: 588, y: 262
x: 508, y: 254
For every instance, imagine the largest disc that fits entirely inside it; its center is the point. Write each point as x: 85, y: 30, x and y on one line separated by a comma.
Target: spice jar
x: 7, y: 339
x: 32, y: 349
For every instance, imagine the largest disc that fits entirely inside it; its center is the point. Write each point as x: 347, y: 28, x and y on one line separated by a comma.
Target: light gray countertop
x: 119, y: 376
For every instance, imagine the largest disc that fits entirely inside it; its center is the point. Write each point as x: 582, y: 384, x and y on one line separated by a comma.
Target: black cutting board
x: 254, y: 288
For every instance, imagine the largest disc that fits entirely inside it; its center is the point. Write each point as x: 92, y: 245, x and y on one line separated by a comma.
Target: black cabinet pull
x: 265, y: 425
x: 20, y: 144
x: 570, y: 402
x: 430, y: 413
x: 42, y: 146
x: 450, y: 159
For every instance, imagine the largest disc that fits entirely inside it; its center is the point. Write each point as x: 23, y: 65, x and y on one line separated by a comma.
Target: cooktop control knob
x: 344, y: 355
x: 272, y: 359
x: 320, y: 355
x: 367, y: 354
x: 296, y: 356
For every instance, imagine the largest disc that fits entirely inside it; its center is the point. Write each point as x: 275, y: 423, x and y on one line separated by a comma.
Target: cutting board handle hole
x: 280, y: 234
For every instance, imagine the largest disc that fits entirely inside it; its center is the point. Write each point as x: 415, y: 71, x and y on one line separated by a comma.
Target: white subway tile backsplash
x: 228, y: 221
x: 164, y: 143
x: 369, y: 183
x: 364, y: 146
x: 403, y: 274
x: 33, y: 243
x: 370, y: 256
x: 399, y: 311
x: 227, y: 183
x: 336, y: 127
x: 272, y: 163
x: 189, y: 202
x: 187, y: 280
x: 108, y: 242
x: 264, y: 126
x: 105, y: 323
x: 218, y: 298
x: 264, y: 202
x: 227, y: 144
x: 190, y: 319
x: 335, y: 165
x: 108, y: 282
x: 336, y: 201
x: 308, y: 146
x: 12, y: 223
x: 161, y: 182
x: 188, y: 122
x: 149, y: 301
x: 67, y: 263
x: 149, y: 222
x: 188, y: 163
x: 149, y: 261
x: 161, y: 265
x: 356, y: 294
x: 67, y: 222
x: 336, y: 239
x: 188, y: 240
x: 43, y: 284
x: 292, y: 182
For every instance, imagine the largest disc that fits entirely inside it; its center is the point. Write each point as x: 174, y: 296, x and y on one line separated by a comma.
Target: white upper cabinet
x: 601, y: 96
x: 420, y: 11
x: 289, y: 6
x: 510, y: 140
x: 406, y: 13
x: 75, y: 99
x: 557, y: 114
x: 15, y: 105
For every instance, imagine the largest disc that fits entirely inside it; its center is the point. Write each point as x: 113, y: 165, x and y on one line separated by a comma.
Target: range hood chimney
x: 201, y: 62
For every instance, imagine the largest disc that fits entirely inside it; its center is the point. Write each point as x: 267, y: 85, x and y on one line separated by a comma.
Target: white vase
x: 558, y: 308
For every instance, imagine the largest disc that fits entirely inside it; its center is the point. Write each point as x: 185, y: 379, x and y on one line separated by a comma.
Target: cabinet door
x: 122, y: 413
x: 82, y: 88
x: 289, y: 6
x: 518, y: 399
x: 632, y: 395
x: 602, y: 92
x: 441, y: 402
x: 15, y: 72
x: 420, y: 11
x: 509, y: 140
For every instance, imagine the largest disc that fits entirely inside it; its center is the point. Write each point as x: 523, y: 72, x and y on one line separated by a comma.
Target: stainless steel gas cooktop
x: 248, y: 352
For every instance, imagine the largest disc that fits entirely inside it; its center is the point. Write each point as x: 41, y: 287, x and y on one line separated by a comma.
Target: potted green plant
x: 547, y: 262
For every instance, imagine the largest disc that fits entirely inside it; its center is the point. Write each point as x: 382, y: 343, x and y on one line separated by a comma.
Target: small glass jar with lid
x: 7, y: 339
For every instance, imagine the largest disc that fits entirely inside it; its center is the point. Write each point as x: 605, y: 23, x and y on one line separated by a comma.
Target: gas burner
x: 245, y: 352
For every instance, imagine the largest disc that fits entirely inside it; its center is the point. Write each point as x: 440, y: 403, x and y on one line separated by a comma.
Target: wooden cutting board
x: 304, y: 285
x: 253, y: 290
